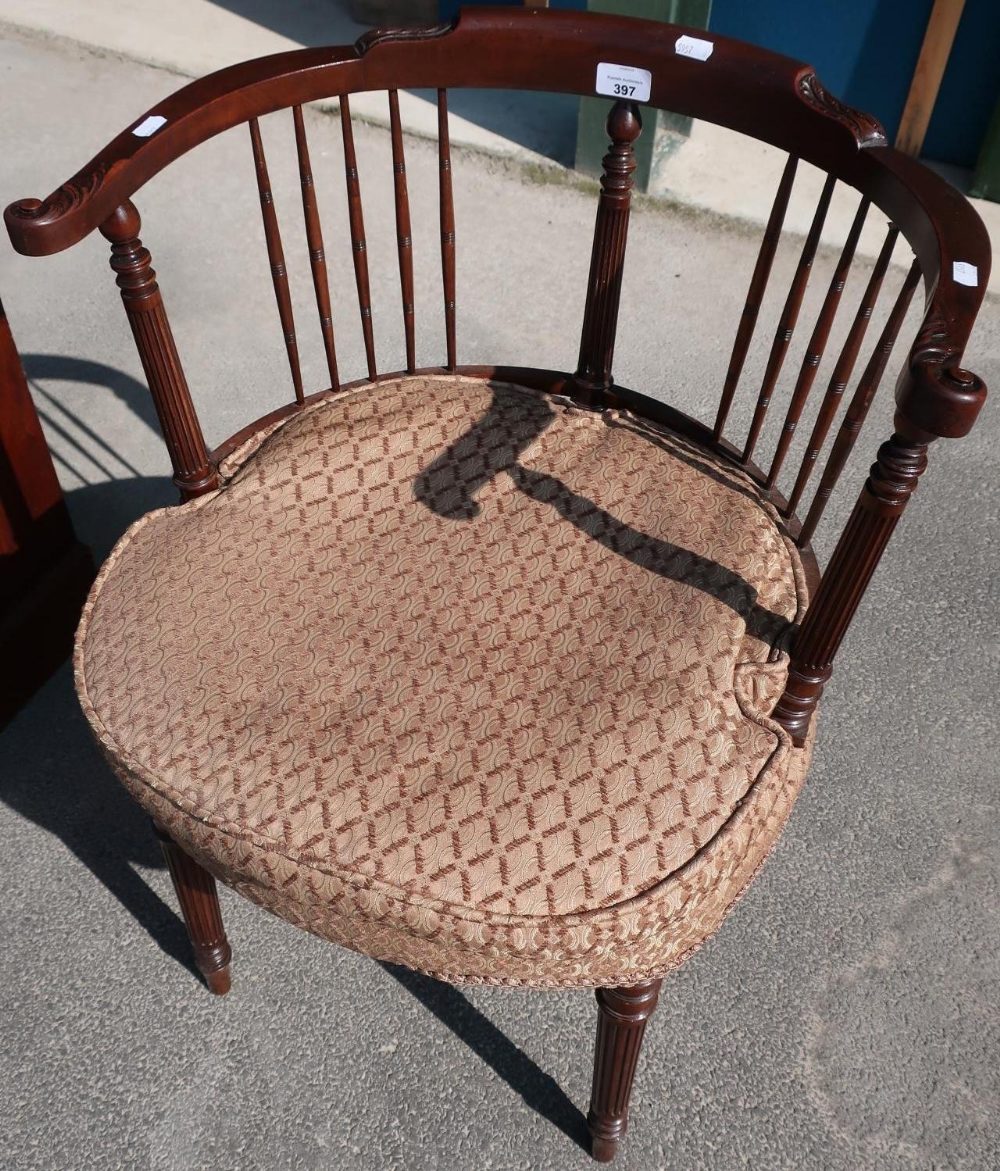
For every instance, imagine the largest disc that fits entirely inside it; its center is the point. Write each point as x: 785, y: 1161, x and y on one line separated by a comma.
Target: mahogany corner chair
x: 503, y: 674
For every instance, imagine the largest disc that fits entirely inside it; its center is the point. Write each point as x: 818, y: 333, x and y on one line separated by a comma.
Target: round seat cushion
x: 463, y: 677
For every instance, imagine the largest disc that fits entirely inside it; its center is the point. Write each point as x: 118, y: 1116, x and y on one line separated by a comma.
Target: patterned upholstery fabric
x: 461, y: 677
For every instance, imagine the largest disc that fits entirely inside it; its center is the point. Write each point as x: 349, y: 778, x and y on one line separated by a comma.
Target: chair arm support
x: 935, y: 398
x: 890, y: 484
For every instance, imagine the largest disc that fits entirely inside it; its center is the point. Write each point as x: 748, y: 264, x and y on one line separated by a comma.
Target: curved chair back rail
x: 749, y: 90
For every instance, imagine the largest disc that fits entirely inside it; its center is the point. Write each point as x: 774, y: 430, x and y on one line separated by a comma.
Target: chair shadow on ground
x: 53, y: 774
x: 538, y: 1089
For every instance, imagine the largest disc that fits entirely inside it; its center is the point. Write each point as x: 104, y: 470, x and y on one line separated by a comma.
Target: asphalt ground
x: 846, y: 1017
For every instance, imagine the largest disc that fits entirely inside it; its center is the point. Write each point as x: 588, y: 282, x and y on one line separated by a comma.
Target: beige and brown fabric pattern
x: 461, y: 677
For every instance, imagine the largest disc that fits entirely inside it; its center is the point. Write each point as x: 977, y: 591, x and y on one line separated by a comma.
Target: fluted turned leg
x: 199, y: 900
x: 621, y: 1023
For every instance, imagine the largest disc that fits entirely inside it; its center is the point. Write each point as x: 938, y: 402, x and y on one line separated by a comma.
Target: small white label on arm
x: 149, y: 125
x: 965, y: 273
x: 694, y: 47
x: 624, y: 81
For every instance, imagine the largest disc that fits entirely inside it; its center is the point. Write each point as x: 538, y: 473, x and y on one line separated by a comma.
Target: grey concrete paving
x: 845, y: 1018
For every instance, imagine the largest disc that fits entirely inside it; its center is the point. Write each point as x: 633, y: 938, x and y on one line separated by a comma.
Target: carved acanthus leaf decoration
x: 867, y: 131
x: 381, y: 36
x: 74, y: 193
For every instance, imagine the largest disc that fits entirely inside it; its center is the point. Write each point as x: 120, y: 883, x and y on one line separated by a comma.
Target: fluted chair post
x: 193, y: 470
x: 621, y: 1025
x: 890, y: 484
x: 199, y: 902
x: 593, y: 376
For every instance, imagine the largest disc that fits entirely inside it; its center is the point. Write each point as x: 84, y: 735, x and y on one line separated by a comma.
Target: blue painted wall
x: 864, y: 52
x: 449, y: 8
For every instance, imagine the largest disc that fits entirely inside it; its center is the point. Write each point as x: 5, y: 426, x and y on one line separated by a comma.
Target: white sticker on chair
x: 623, y: 81
x: 965, y: 273
x: 149, y: 125
x: 694, y: 47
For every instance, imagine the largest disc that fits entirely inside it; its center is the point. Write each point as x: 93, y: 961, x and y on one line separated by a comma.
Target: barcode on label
x: 694, y: 47
x: 623, y: 81
x: 149, y: 125
x: 965, y: 273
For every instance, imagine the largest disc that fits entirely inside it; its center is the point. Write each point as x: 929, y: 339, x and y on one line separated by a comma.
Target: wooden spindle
x: 404, y: 240
x: 447, y: 225
x: 817, y: 342
x: 193, y: 471
x: 276, y: 258
x: 317, y: 253
x: 593, y: 376
x: 843, y: 370
x: 755, y: 293
x: 359, y: 246
x: 789, y: 316
x: 857, y: 411
x: 887, y: 491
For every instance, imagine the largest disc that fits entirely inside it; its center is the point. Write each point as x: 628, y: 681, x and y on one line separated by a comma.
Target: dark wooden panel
x: 44, y: 571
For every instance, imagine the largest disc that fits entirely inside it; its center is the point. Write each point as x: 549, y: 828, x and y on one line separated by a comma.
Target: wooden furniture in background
x: 44, y: 571
x: 214, y: 828
x: 942, y: 25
